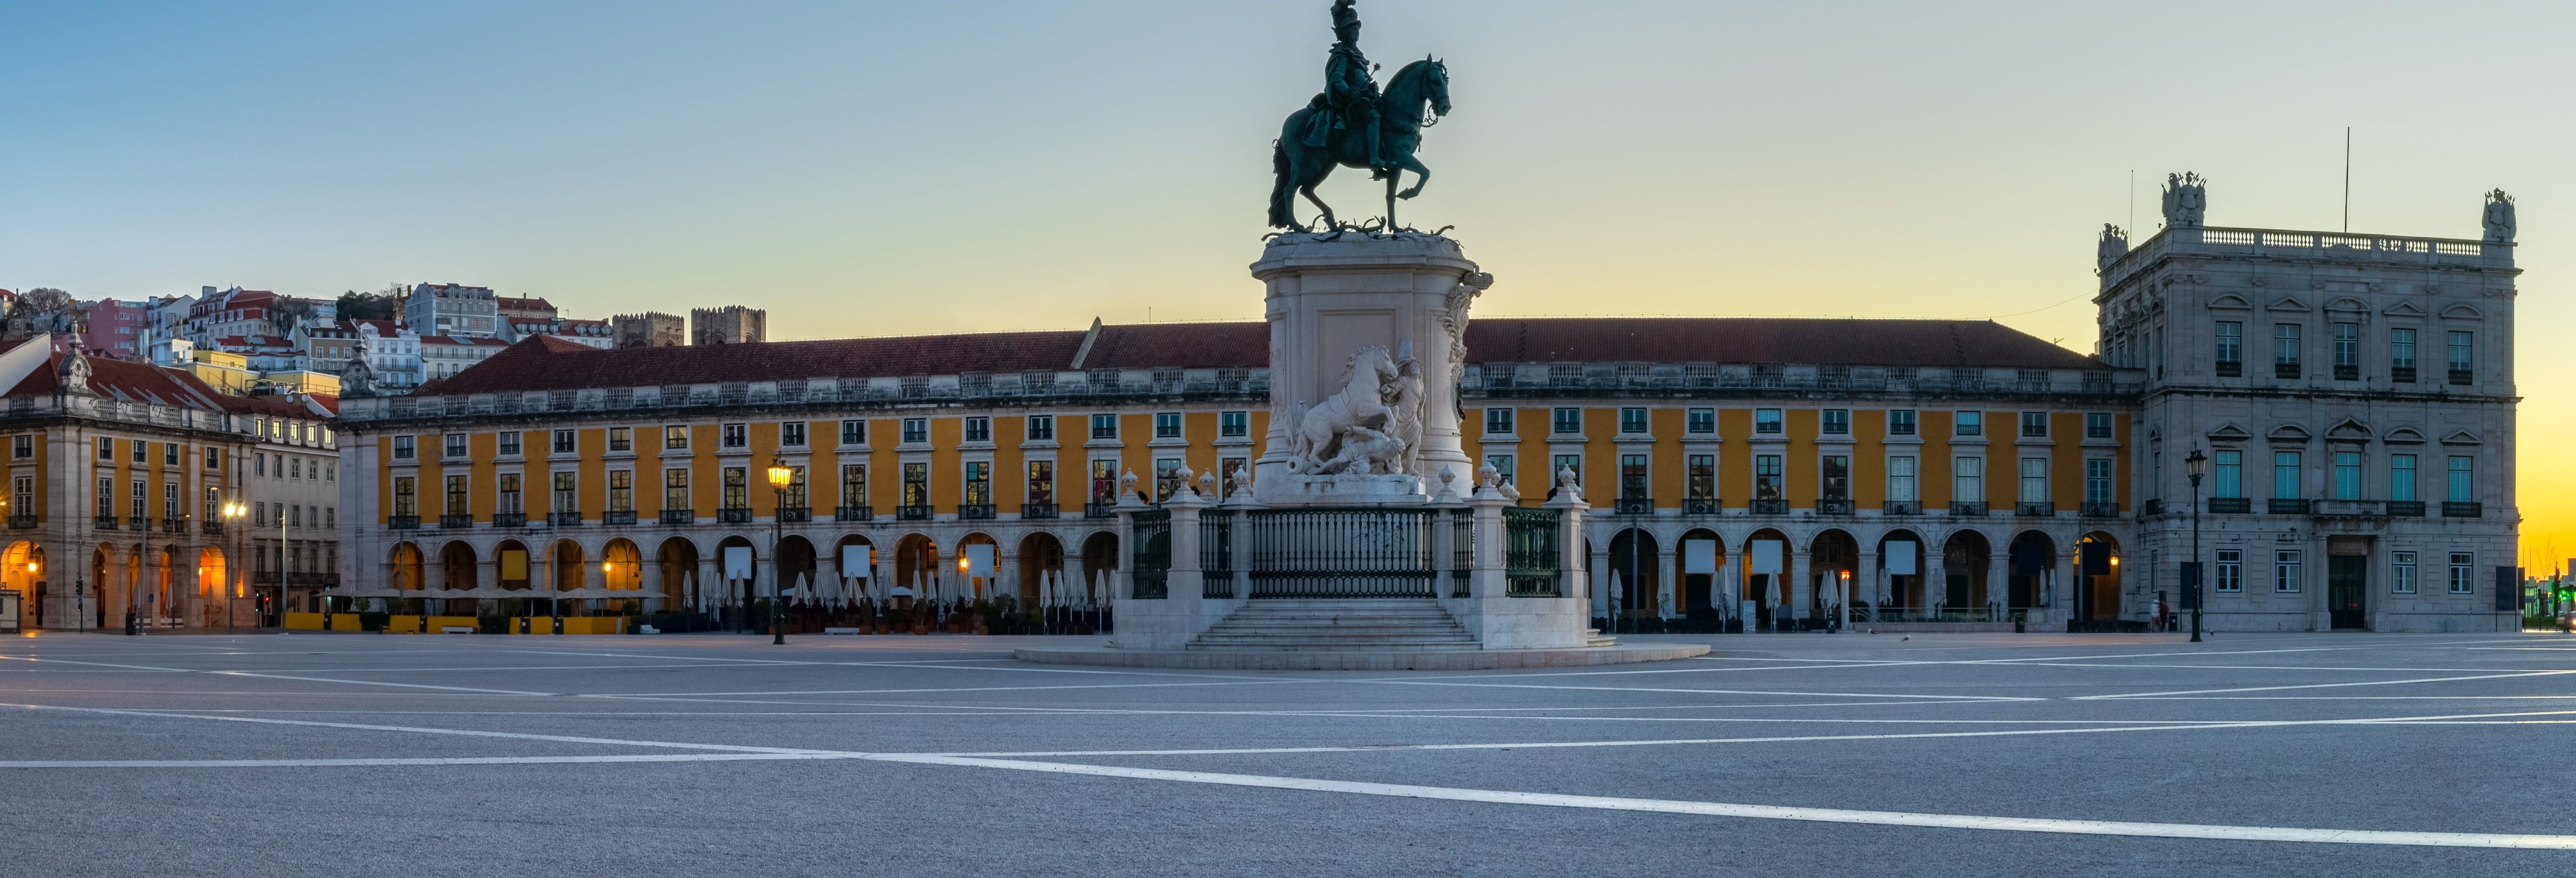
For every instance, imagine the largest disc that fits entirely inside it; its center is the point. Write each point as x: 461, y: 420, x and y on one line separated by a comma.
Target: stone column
x: 1799, y: 581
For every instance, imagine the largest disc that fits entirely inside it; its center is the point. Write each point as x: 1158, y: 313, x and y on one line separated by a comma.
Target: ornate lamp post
x: 779, y: 478
x: 232, y: 513
x: 2195, y: 466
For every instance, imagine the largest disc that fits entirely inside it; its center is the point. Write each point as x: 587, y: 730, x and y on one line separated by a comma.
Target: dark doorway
x: 2346, y: 588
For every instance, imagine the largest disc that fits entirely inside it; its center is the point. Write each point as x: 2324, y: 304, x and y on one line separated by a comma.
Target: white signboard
x: 1767, y: 555
x: 737, y: 562
x: 1900, y: 557
x: 979, y: 561
x: 856, y: 561
x: 1699, y: 556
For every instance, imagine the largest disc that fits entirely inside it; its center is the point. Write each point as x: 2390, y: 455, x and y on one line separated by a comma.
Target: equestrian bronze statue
x: 1355, y: 124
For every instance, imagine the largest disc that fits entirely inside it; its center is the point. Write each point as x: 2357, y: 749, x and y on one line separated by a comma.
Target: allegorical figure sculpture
x: 2499, y: 218
x: 2114, y: 244
x: 1353, y: 123
x: 2186, y: 200
x: 1369, y: 427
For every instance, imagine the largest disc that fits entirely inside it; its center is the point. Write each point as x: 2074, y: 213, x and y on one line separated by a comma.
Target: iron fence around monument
x: 1530, y: 553
x: 1345, y: 553
x: 1216, y: 553
x: 1153, y: 557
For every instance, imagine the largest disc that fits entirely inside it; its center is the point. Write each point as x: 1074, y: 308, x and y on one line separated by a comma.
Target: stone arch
x: 1701, y: 600
x: 1833, y: 571
x: 457, y: 566
x: 860, y: 579
x: 407, y: 567
x: 974, y: 582
x: 621, y: 564
x: 569, y: 565
x: 2030, y: 571
x: 1767, y: 590
x: 2097, y: 574
x: 1041, y: 570
x: 796, y: 566
x: 106, y: 562
x: 916, y: 566
x: 1099, y: 568
x: 22, y: 567
x: 738, y: 592
x: 1634, y: 563
x: 1965, y: 557
x: 213, y: 586
x: 679, y: 563
x: 513, y: 566
x: 1903, y: 549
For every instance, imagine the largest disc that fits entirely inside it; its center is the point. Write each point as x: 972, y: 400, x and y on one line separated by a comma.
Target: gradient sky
x: 871, y: 169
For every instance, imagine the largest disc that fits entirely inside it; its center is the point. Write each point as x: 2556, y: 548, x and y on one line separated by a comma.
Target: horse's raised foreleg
x: 1421, y: 175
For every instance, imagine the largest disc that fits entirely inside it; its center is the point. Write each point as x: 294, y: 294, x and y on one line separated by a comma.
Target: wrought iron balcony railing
x: 1700, y: 506
x: 2286, y: 506
x: 564, y: 519
x: 795, y: 514
x: 975, y: 511
x: 2099, y: 509
x: 853, y: 513
x: 912, y: 513
x: 679, y: 516
x: 2230, y: 505
x: 2409, y: 508
x: 2035, y: 508
x: 1772, y: 506
x: 1034, y: 510
x: 402, y: 522
x: 1903, y: 507
x: 1834, y: 506
x: 734, y: 516
x: 452, y: 522
x: 2456, y: 509
x: 1968, y: 508
x: 618, y: 516
x: 509, y: 519
x: 1635, y: 506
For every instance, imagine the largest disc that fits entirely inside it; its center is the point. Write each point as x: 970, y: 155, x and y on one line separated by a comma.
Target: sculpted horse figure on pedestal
x: 1314, y: 444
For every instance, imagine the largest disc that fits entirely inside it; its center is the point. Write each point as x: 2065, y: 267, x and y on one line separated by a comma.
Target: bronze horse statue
x: 1400, y: 107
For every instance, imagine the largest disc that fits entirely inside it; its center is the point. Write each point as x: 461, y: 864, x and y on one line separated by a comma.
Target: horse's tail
x: 1281, y: 193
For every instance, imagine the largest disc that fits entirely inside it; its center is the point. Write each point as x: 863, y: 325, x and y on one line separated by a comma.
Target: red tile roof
x: 549, y: 363
x: 140, y: 382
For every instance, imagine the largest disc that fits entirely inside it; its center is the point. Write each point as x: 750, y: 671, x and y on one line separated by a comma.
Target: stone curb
x: 1461, y: 660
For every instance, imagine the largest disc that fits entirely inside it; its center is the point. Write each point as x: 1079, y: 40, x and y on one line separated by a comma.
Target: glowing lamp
x: 779, y: 474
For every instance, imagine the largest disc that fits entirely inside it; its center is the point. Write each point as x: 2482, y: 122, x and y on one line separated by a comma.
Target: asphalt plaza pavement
x: 334, y: 754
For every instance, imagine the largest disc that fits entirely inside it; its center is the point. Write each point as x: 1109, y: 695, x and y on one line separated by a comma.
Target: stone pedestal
x: 1331, y: 298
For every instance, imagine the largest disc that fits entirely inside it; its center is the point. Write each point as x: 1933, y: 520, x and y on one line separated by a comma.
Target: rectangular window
x: 259, y: 463
x: 23, y: 447
x: 509, y: 443
x: 169, y: 454
x: 791, y: 433
x: 22, y: 497
x: 142, y: 451
x: 2097, y: 425
x: 2401, y: 572
x: 2228, y: 470
x: 2461, y: 359
x: 404, y: 501
x: 1766, y: 477
x: 1632, y: 421
x: 1041, y: 481
x: 2347, y: 351
x: 1969, y: 424
x: 1900, y: 422
x: 2401, y: 356
x: 854, y: 484
x: 403, y: 447
x: 621, y: 490
x: 1835, y: 422
x: 675, y: 489
x: 1700, y: 422
x: 2401, y: 477
x: 1104, y: 481
x: 1632, y: 477
x: 2286, y: 570
x: 1566, y: 463
x: 2034, y: 479
x: 732, y: 436
x: 979, y: 483
x: 737, y: 488
x: 106, y: 496
x: 107, y: 448
x: 2347, y: 475
x: 454, y: 446
x: 2464, y: 576
x: 1901, y: 487
x: 2097, y: 481
x: 456, y: 503
x: 1167, y: 425
x: 214, y: 458
x: 214, y: 497
x: 1498, y: 422
x: 2230, y: 573
x: 566, y: 496
x: 675, y: 437
x: 2285, y: 475
x: 2285, y: 350
x: 509, y: 499
x: 169, y: 501
x: 564, y: 441
x: 1167, y: 478
x: 1502, y: 464
x: 1566, y: 422
x: 2464, y: 481
x: 1041, y: 428
x: 979, y: 429
x: 916, y: 431
x: 2231, y: 348
x: 1701, y: 476
x: 1833, y: 477
x: 331, y: 518
x: 2034, y: 425
x: 1233, y: 425
x: 793, y: 497
x: 855, y: 431
x: 916, y: 485
x: 621, y: 438
x: 1968, y: 480
x: 1767, y: 421
x: 1104, y: 426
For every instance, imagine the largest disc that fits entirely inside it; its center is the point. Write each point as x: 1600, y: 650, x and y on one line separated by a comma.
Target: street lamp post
x: 232, y: 513
x: 779, y: 478
x: 2195, y: 466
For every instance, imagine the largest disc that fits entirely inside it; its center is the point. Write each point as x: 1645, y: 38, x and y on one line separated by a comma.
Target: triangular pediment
x: 2287, y: 303
x: 2347, y: 303
x: 2460, y: 437
x: 2231, y: 302
x: 2403, y: 309
x: 2348, y: 431
x: 2229, y: 433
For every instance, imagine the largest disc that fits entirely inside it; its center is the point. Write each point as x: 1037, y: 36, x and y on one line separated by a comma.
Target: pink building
x: 115, y: 329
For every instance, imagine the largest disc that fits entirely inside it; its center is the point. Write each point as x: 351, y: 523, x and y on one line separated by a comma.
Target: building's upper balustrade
x: 1093, y: 384
x: 1576, y: 379
x: 2285, y: 244
x: 126, y: 411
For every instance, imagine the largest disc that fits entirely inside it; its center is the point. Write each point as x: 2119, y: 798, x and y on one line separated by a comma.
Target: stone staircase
x: 1343, y: 625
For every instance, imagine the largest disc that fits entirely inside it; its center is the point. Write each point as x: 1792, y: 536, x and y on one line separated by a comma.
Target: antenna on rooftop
x: 2347, y: 178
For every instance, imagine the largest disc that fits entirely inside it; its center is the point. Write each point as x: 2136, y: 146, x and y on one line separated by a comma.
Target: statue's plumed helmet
x: 1344, y: 15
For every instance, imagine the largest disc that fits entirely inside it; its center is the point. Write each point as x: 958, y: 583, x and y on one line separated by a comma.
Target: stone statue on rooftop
x: 2499, y: 218
x: 1352, y: 123
x: 2186, y: 200
x: 2114, y: 244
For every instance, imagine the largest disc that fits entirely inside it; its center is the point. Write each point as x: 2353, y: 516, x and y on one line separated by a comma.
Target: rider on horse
x: 1350, y: 93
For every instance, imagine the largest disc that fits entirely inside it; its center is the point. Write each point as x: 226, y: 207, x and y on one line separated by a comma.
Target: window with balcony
x: 2285, y: 474
x: 1566, y: 422
x: 1900, y: 422
x: 792, y: 434
x: 676, y: 438
x: 1104, y: 482
x: 1901, y: 484
x: 2227, y: 474
x: 2401, y: 356
x: 405, y: 503
x: 2034, y: 425
x: 2098, y: 496
x: 2462, y: 362
x: 2285, y: 350
x: 566, y: 499
x: 1233, y: 425
x: 2464, y: 575
x: 1833, y: 481
x: 1767, y: 483
x: 1498, y: 422
x: 1968, y: 480
x: 2230, y: 340
x: 2034, y: 480
x: 1834, y: 422
x: 978, y: 484
x: 456, y: 497
x: 1167, y: 478
x: 735, y: 435
x: 2463, y: 480
x: 2347, y: 475
x: 1104, y: 426
x: 1768, y: 422
x: 2401, y: 477
x: 1042, y: 482
x: 1700, y: 479
x: 404, y: 448
x: 2347, y: 351
x: 1700, y: 422
x: 2097, y: 425
x: 1632, y: 482
x: 854, y: 432
x: 2229, y: 573
x: 1968, y: 424
x: 169, y: 501
x: 2286, y: 570
x: 1632, y: 421
x: 854, y: 486
x: 565, y: 443
x: 621, y: 491
x: 736, y: 488
x: 916, y: 486
x: 2401, y: 572
x: 1502, y: 464
x: 792, y: 500
x: 916, y: 431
